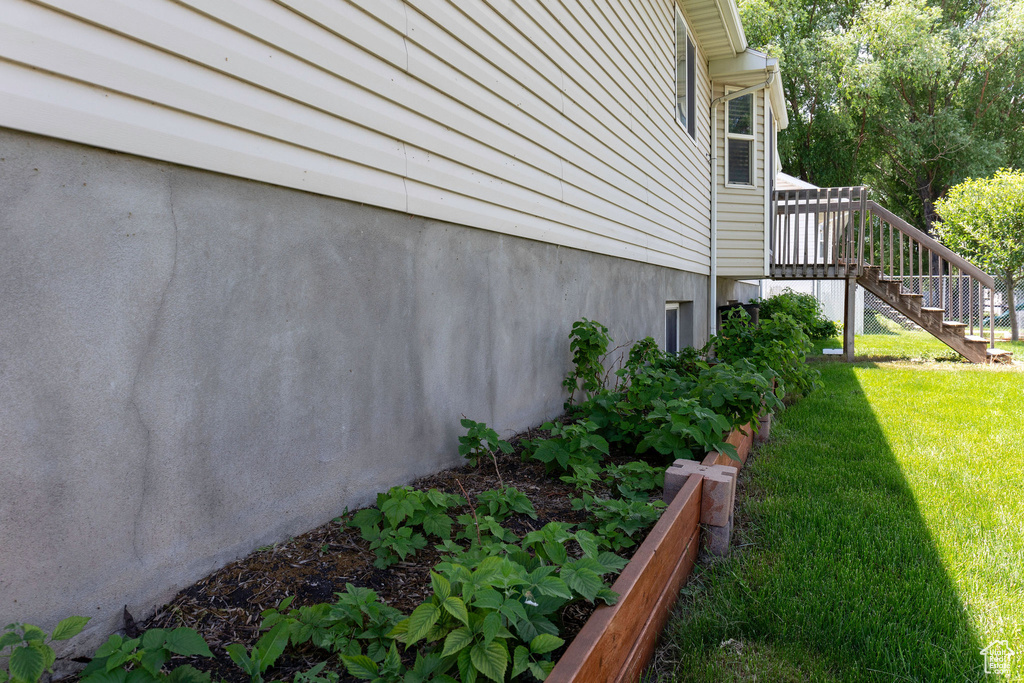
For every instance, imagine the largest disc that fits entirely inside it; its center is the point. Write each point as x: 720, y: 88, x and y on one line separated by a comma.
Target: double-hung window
x: 739, y: 140
x: 685, y: 58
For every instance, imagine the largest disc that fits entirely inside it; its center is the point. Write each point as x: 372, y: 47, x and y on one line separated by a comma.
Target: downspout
x: 713, y: 276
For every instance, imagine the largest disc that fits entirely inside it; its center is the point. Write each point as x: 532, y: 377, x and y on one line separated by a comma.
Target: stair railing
x: 834, y: 232
x: 927, y: 267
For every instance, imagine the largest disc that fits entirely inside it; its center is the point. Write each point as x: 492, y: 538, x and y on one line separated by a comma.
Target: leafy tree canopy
x: 907, y: 96
x: 983, y: 219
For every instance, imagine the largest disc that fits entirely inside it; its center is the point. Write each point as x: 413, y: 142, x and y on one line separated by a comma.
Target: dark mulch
x: 225, y: 606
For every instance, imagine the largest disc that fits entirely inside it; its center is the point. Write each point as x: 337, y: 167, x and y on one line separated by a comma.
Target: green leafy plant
x: 501, y: 503
x: 737, y: 391
x: 616, y: 522
x: 681, y: 428
x: 28, y: 651
x: 634, y: 480
x: 589, y: 344
x: 777, y: 346
x: 142, y: 659
x: 480, y: 440
x: 356, y: 620
x: 570, y: 444
x: 264, y: 653
x: 398, y: 526
x: 804, y: 308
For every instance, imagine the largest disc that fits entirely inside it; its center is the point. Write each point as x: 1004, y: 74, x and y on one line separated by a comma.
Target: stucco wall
x: 193, y: 365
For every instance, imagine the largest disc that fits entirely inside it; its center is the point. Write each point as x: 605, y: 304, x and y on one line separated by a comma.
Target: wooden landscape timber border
x: 618, y: 640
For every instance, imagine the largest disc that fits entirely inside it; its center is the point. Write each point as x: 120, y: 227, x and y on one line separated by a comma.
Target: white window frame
x: 752, y: 137
x: 689, y: 124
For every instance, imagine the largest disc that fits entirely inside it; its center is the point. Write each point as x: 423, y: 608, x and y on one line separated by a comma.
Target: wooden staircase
x: 840, y: 234
x: 952, y: 333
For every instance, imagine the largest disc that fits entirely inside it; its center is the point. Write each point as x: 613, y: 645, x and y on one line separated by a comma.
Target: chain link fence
x: 874, y: 316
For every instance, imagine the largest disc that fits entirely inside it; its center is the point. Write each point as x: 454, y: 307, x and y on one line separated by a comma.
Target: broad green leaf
x: 582, y: 580
x: 421, y: 621
x: 520, y: 660
x: 552, y: 585
x: 153, y: 660
x: 490, y: 626
x: 540, y: 670
x: 241, y: 658
x: 360, y: 666
x: 588, y: 542
x: 69, y: 628
x: 556, y: 552
x: 154, y: 638
x: 187, y: 642
x: 112, y: 645
x: 117, y: 659
x: 34, y: 634
x: 467, y: 670
x: 513, y: 610
x: 545, y: 643
x: 140, y: 675
x: 457, y: 640
x: 188, y: 674
x: 488, y: 598
x: 270, y: 646
x: 27, y: 663
x: 4, y: 676
x: 457, y: 608
x: 442, y: 589
x: 490, y: 659
x: 10, y: 638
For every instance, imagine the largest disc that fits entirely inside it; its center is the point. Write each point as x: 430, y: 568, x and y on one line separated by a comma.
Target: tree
x: 821, y: 143
x: 907, y: 96
x: 983, y: 219
x: 941, y: 91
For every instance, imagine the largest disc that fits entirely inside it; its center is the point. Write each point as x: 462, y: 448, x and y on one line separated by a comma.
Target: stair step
x: 954, y: 325
x: 930, y: 309
x: 911, y: 295
x: 975, y: 339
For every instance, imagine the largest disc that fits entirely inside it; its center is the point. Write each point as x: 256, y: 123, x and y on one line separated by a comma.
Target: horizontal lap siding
x: 741, y: 234
x: 546, y: 120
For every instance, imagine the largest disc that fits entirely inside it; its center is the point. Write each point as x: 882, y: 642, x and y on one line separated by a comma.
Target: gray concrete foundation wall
x: 193, y: 365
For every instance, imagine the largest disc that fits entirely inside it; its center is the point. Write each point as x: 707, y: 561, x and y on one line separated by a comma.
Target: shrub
x: 589, y: 345
x: 804, y: 308
x: 777, y: 347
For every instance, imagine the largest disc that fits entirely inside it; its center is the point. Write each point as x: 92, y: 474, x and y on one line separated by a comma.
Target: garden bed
x: 225, y: 607
x: 613, y: 643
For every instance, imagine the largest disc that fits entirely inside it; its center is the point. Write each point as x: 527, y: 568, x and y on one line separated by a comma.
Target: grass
x: 879, y: 536
x: 906, y: 345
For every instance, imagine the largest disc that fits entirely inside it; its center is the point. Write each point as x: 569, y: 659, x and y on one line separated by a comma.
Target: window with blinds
x: 739, y: 141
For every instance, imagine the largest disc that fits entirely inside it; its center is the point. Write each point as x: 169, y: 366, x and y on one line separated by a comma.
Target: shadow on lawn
x: 840, y: 579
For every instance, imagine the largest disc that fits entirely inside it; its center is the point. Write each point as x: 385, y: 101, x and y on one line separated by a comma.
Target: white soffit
x: 751, y: 67
x: 717, y: 26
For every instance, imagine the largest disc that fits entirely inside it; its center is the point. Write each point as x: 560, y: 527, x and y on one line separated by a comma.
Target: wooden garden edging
x: 618, y: 640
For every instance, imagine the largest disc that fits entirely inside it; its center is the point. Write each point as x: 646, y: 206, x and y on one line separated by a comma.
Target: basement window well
x: 678, y: 325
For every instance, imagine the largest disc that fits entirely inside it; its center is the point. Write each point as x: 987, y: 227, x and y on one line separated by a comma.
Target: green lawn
x: 906, y: 345
x: 880, y: 536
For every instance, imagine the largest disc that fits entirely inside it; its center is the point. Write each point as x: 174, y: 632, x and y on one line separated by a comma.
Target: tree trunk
x: 1012, y: 303
x: 927, y: 198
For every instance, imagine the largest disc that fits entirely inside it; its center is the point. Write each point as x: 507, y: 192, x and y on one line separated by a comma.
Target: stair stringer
x: 931, y: 321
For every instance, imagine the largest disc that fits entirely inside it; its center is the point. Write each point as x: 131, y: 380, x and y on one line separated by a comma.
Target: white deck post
x: 849, y: 323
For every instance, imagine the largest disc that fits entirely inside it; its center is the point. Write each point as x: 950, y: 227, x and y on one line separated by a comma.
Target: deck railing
x: 835, y: 232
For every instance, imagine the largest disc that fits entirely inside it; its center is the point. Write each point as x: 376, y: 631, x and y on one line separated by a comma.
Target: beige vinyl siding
x: 741, y: 214
x: 545, y: 120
